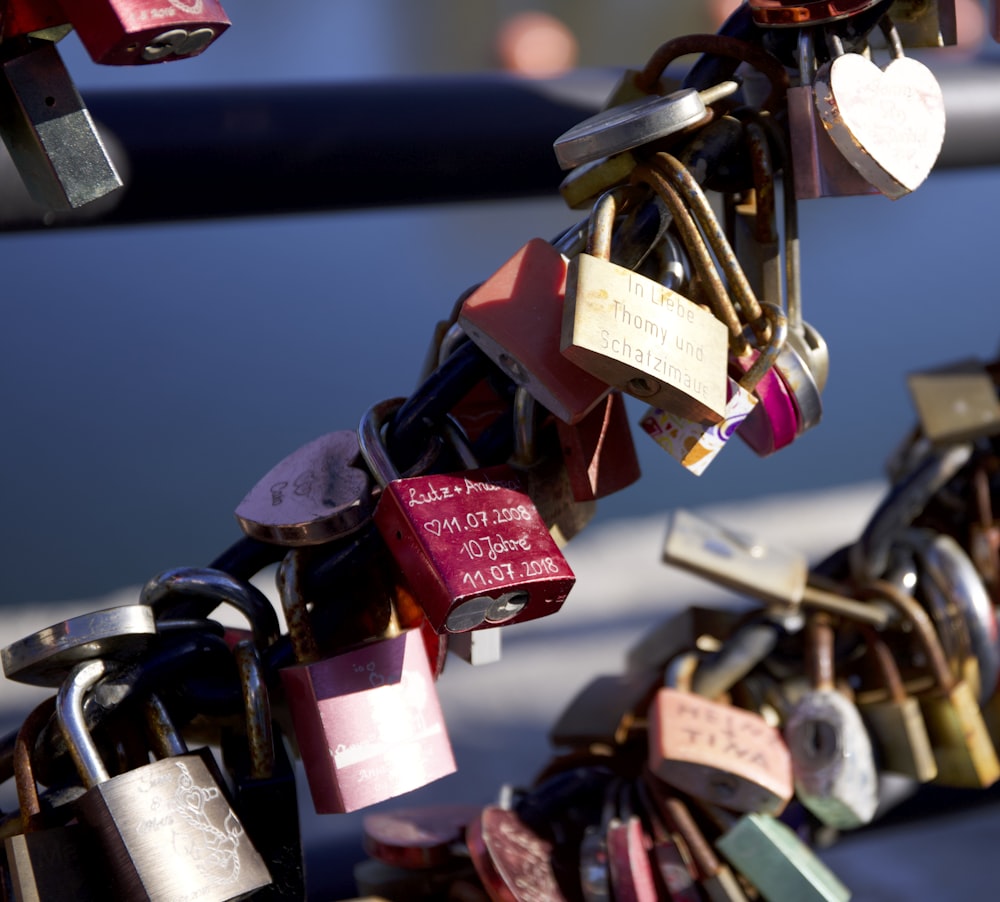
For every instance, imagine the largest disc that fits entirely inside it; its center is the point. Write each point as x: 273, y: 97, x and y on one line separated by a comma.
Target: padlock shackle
x: 179, y: 584
x: 716, y: 45
x: 289, y: 583
x: 740, y: 653
x: 164, y: 737
x: 885, y: 661
x: 24, y: 774
x: 923, y: 628
x: 257, y: 702
x: 372, y: 441
x: 819, y: 651
x: 767, y: 356
x: 689, y: 189
x: 719, y: 300
x: 73, y: 725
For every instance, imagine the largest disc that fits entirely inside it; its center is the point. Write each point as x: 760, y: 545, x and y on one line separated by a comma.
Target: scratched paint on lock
x: 641, y: 337
x: 472, y: 538
x: 376, y: 729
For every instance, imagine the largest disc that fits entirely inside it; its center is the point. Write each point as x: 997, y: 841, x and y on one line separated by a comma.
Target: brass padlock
x: 639, y: 336
x: 965, y: 754
x: 896, y: 723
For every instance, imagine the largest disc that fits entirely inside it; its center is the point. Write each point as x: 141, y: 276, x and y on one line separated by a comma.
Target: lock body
x: 173, y: 803
x: 473, y: 548
x: 136, y: 32
x: 368, y: 723
x: 718, y: 753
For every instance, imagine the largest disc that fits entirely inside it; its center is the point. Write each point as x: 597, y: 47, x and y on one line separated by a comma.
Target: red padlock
x: 471, y: 545
x: 135, y: 32
x: 39, y: 18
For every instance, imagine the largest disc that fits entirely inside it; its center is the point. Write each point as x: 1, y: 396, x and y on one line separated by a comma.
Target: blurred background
x: 151, y: 374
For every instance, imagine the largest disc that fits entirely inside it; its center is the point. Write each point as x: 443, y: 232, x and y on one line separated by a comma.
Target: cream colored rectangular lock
x: 736, y: 560
x: 957, y: 402
x: 639, y: 336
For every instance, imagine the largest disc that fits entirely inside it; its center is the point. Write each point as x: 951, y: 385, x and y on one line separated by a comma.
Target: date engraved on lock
x: 474, y: 548
x: 641, y: 337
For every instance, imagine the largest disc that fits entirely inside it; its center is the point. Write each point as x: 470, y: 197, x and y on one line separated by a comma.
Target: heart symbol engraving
x: 433, y: 526
x: 889, y: 124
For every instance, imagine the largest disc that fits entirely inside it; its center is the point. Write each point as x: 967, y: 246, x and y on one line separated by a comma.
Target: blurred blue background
x: 151, y: 374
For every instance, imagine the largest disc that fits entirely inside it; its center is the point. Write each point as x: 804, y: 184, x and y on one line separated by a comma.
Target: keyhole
x: 641, y: 387
x: 819, y: 740
x: 50, y: 101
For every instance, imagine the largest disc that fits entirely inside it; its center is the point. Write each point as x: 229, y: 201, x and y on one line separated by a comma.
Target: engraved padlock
x: 166, y: 827
x: 888, y: 124
x: 367, y: 720
x: 832, y: 758
x: 263, y: 782
x: 639, y: 336
x: 716, y: 751
x: 51, y: 859
x: 136, y: 32
x: 515, y: 317
x: 471, y: 545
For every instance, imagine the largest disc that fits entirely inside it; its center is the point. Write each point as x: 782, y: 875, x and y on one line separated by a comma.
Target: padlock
x: 599, y: 452
x: 637, y: 122
x: 593, y: 854
x: 44, y: 658
x: 674, y: 876
x: 471, y: 545
x: 167, y: 826
x: 51, y: 859
x: 136, y: 32
x: 584, y: 184
x: 420, y: 839
x: 49, y: 132
x: 511, y: 859
x: 965, y: 754
x: 832, y: 758
x: 803, y: 360
x: 895, y: 723
x: 315, y: 495
x: 715, y: 878
x: 957, y: 402
x: 263, y: 783
x: 958, y: 600
x: 42, y: 19
x: 889, y: 124
x: 544, y: 472
x: 984, y: 532
x: 367, y: 721
x: 925, y: 23
x: 639, y: 336
x: 682, y: 631
x: 791, y: 14
x: 696, y: 443
x: 777, y: 862
x: 515, y: 317
x: 607, y: 712
x: 715, y: 751
x: 819, y: 168
x: 629, y: 866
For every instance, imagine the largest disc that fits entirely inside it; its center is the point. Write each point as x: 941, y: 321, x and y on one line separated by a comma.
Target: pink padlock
x: 367, y: 721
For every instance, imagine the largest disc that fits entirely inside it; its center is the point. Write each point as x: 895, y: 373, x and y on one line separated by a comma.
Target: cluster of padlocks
x: 734, y: 736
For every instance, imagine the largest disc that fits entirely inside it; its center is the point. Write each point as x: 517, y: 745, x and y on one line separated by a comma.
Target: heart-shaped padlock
x: 888, y: 123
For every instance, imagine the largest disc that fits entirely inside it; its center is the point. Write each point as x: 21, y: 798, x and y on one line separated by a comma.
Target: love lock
x: 888, y: 123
